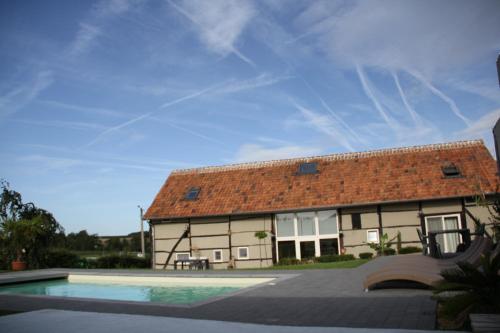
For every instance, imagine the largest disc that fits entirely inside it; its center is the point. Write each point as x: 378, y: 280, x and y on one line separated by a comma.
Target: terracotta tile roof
x: 399, y: 174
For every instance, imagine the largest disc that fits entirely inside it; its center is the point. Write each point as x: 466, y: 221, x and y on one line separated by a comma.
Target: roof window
x: 451, y: 171
x: 308, y: 168
x: 192, y: 194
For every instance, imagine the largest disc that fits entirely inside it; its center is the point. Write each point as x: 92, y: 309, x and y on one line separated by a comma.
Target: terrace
x: 297, y: 298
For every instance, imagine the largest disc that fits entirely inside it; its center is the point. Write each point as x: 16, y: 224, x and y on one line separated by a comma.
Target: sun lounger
x: 423, y: 269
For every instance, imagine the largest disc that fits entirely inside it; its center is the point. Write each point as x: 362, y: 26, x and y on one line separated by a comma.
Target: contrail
x: 443, y: 96
x: 372, y: 97
x: 230, y: 46
x: 329, y: 109
x: 149, y: 114
x: 414, y: 115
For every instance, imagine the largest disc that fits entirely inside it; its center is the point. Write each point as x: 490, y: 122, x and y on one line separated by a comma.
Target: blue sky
x: 100, y: 100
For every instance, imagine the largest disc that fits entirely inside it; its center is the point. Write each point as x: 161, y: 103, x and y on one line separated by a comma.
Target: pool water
x: 180, y: 294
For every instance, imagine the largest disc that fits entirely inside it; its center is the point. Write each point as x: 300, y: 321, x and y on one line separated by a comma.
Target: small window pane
x: 243, y: 253
x: 327, y: 222
x: 182, y: 256
x: 356, y: 220
x: 372, y: 236
x: 284, y: 224
x: 328, y: 246
x: 308, y: 168
x: 307, y: 250
x: 305, y: 224
x: 192, y: 194
x: 217, y: 255
x: 286, y: 249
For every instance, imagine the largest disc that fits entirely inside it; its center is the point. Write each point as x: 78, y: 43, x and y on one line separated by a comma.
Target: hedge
x: 127, y: 261
x: 365, y: 255
x: 288, y: 261
x: 389, y: 252
x: 68, y: 259
x: 64, y: 259
x: 335, y: 257
x: 409, y: 249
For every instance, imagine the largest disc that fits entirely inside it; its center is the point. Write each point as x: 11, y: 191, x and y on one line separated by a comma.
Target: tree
x: 384, y: 244
x: 261, y: 235
x: 38, y: 224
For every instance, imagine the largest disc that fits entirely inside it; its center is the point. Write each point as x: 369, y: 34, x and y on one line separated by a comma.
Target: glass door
x: 448, y: 242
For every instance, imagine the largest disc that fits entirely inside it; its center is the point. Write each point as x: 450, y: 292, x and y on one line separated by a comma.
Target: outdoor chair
x: 422, y: 269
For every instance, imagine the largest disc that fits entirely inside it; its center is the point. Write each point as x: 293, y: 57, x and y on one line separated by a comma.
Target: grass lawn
x: 322, y: 265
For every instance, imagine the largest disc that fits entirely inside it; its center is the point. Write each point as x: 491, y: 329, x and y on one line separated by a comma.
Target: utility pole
x: 498, y: 68
x: 143, y: 251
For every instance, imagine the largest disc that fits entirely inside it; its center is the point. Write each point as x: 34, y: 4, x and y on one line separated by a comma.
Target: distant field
x: 97, y: 254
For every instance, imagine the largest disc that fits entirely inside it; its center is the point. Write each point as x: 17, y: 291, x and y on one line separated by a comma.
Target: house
x: 319, y: 205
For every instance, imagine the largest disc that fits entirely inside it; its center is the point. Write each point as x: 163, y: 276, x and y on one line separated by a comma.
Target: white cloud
x: 219, y: 22
x: 481, y: 127
x: 425, y: 36
x: 93, y: 26
x: 255, y: 152
x: 21, y: 96
x: 84, y: 39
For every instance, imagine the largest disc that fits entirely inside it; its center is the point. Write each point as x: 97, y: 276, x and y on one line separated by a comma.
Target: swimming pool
x: 172, y: 290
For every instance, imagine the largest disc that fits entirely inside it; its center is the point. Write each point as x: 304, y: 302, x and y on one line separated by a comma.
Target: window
x: 327, y: 221
x: 218, y: 256
x: 182, y: 256
x: 284, y: 224
x: 286, y: 249
x: 307, y: 250
x: 305, y: 224
x: 243, y: 253
x: 451, y: 171
x: 356, y: 220
x: 328, y: 246
x: 192, y: 194
x: 372, y: 236
x: 308, y: 168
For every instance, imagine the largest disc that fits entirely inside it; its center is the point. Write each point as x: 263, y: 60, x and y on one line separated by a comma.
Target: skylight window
x: 308, y: 168
x: 451, y: 171
x: 192, y: 194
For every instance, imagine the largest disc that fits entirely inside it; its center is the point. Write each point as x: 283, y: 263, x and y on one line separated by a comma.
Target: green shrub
x: 63, y: 259
x: 389, y: 252
x: 288, y: 261
x: 335, y: 257
x: 365, y: 255
x: 410, y: 249
x: 125, y: 261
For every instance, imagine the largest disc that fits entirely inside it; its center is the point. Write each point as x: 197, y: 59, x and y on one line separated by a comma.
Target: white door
x: 447, y: 242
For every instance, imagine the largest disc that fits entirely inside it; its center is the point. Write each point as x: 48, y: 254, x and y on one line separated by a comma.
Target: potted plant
x: 18, y: 237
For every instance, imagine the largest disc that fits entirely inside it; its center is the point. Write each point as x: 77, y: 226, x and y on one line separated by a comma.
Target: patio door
x: 447, y: 242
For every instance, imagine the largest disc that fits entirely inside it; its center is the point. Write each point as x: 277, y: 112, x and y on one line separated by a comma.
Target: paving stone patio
x: 307, y: 298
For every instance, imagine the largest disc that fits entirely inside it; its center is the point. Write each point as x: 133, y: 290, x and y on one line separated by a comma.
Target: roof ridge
x: 331, y: 157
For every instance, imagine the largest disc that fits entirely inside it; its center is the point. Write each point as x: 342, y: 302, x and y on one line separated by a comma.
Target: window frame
x: 239, y: 254
x: 368, y: 237
x: 221, y: 255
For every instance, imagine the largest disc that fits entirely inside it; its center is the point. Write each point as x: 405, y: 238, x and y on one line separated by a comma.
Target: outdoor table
x: 198, y: 263
x: 433, y: 251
